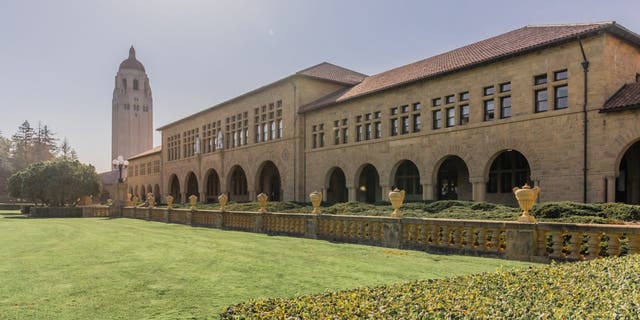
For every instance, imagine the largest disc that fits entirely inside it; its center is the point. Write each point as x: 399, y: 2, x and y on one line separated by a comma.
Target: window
x: 416, y: 123
x: 464, y: 114
x: 505, y: 107
x: 437, y: 119
x: 560, y: 75
x: 487, y: 91
x: 135, y: 84
x: 436, y: 102
x: 464, y: 96
x: 505, y: 87
x: 173, y: 144
x: 321, y: 139
x: 417, y: 106
x: 488, y: 110
x: 340, y: 130
x: 359, y: 132
x: 279, y: 129
x: 367, y: 131
x: 394, y: 127
x: 451, y: 117
x: 268, y: 124
x: 405, y: 125
x: 637, y: 77
x: 124, y: 83
x: 237, y: 130
x: 378, y: 129
x: 145, y: 109
x: 449, y: 99
x: 189, y: 138
x: 540, y: 79
x: 126, y: 106
x: 336, y: 136
x: 345, y: 135
x: 541, y: 100
x: 561, y: 97
x: 317, y: 136
x: 394, y: 111
x: 404, y: 109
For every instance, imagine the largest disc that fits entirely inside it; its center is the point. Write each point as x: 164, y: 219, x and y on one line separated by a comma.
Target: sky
x: 58, y: 59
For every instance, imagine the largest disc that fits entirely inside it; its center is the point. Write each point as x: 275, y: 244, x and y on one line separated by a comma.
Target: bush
x: 600, y: 289
x: 25, y: 209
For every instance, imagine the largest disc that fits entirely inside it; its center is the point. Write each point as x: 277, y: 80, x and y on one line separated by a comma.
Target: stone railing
x: 95, y: 211
x: 540, y: 242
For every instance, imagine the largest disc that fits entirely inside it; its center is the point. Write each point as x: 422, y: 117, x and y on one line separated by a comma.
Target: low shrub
x: 600, y: 289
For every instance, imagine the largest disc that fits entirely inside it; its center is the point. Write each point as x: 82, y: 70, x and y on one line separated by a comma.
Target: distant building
x: 556, y: 106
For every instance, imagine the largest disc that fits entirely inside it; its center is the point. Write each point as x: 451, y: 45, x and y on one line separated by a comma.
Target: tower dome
x: 132, y: 62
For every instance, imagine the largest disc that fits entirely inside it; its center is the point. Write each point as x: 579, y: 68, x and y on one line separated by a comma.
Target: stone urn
x: 169, y: 201
x: 151, y: 199
x: 316, y: 199
x: 526, y: 197
x: 262, y: 201
x: 193, y: 200
x: 136, y: 201
x: 109, y: 202
x: 222, y: 199
x: 129, y: 202
x: 396, y: 197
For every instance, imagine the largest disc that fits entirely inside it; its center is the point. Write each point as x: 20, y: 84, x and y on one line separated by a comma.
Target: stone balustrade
x: 540, y: 242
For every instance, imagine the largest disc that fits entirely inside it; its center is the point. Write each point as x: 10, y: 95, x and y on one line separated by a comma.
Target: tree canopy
x: 57, y: 182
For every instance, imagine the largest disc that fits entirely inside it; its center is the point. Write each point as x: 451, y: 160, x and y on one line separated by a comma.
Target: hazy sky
x: 58, y: 58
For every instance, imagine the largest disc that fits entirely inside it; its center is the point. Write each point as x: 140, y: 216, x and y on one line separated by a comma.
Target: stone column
x: 427, y: 191
x: 611, y: 188
x: 252, y: 195
x: 184, y: 198
x: 479, y: 186
x: 385, y: 189
x: 352, y: 193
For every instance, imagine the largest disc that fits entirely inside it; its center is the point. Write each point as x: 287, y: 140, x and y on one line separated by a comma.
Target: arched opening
x: 156, y: 193
x: 212, y: 189
x: 238, y: 185
x: 369, y: 185
x: 509, y: 169
x: 192, y: 186
x: 131, y: 191
x: 135, y: 84
x: 407, y: 178
x: 628, y: 181
x: 269, y: 181
x: 143, y: 194
x: 136, y: 193
x: 453, y: 180
x: 337, y: 187
x: 174, y: 189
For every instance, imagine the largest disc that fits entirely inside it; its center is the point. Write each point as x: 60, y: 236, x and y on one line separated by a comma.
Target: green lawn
x: 132, y: 269
x: 9, y: 212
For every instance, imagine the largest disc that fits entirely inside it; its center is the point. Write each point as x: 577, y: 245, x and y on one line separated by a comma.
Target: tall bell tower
x: 132, y: 110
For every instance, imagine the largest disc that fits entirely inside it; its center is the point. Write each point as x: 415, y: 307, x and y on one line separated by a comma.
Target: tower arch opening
x: 628, y: 180
x: 453, y: 180
x: 407, y: 178
x: 237, y: 185
x: 337, y: 186
x: 369, y: 190
x: 269, y: 181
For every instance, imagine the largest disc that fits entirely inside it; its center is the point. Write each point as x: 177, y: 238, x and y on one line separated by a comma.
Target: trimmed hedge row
x: 55, y: 212
x: 600, y: 289
x: 569, y: 212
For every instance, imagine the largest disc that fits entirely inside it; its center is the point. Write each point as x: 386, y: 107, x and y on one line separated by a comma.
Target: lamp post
x: 120, y: 163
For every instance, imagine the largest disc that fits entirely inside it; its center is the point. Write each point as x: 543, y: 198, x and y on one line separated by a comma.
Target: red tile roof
x: 146, y: 153
x: 502, y: 46
x: 331, y: 72
x: 627, y: 97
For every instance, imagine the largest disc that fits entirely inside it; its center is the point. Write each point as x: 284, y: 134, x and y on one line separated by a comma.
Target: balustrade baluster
x: 634, y: 243
x: 482, y: 239
x: 574, y: 246
x: 556, y: 238
x: 613, y: 245
x: 469, y: 238
x: 594, y: 245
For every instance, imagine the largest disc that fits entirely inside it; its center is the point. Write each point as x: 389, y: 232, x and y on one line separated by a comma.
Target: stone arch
x: 367, y: 181
x: 174, y: 188
x: 136, y: 193
x: 506, y: 169
x: 268, y: 181
x: 156, y: 193
x: 150, y: 189
x: 483, y: 163
x: 627, y: 188
x: 451, y: 179
x: 143, y: 193
x: 237, y: 184
x: 405, y: 175
x: 191, y: 185
x: 336, y: 185
x: 212, y: 186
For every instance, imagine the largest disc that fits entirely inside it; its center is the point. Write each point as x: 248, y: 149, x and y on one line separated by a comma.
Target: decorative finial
x: 132, y: 53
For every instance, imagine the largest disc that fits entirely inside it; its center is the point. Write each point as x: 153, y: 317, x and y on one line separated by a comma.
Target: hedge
x: 55, y: 212
x: 599, y: 289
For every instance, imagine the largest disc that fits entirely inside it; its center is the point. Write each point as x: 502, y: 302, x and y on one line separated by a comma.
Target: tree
x: 44, y: 144
x: 66, y: 151
x: 56, y: 182
x: 6, y: 168
x: 22, y: 143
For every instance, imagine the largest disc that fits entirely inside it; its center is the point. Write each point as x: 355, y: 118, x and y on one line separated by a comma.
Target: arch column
x: 352, y: 193
x: 252, y: 195
x: 479, y: 188
x: 610, y: 195
x: 184, y: 197
x: 385, y: 189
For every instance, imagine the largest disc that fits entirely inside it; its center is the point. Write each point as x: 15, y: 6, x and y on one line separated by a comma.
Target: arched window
x: 508, y: 170
x: 135, y: 84
x: 124, y: 83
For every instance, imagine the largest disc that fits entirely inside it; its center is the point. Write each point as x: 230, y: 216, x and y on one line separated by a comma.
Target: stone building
x: 555, y: 106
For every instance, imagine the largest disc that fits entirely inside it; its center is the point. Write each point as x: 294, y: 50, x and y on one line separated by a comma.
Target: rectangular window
x: 541, y: 100
x: 257, y: 133
x: 394, y: 111
x: 540, y: 79
x: 436, y: 102
x: 405, y: 125
x: 505, y: 107
x: 404, y: 109
x: 378, y: 129
x: 367, y: 131
x: 449, y: 99
x: 417, y: 106
x: 416, y: 123
x: 451, y: 117
x: 489, y: 110
x: 464, y: 114
x: 367, y: 117
x: 487, y: 91
x: 505, y: 87
x: 336, y: 136
x: 394, y: 127
x: 561, y: 97
x: 314, y: 143
x: 359, y: 133
x: 437, y: 119
x: 358, y: 119
x: 560, y: 75
x: 272, y: 133
x: 265, y: 132
x: 464, y: 96
x: 321, y: 139
x: 280, y: 128
x: 345, y: 135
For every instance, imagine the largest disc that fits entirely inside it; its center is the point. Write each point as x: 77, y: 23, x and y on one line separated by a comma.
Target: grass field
x: 9, y: 212
x: 132, y: 269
